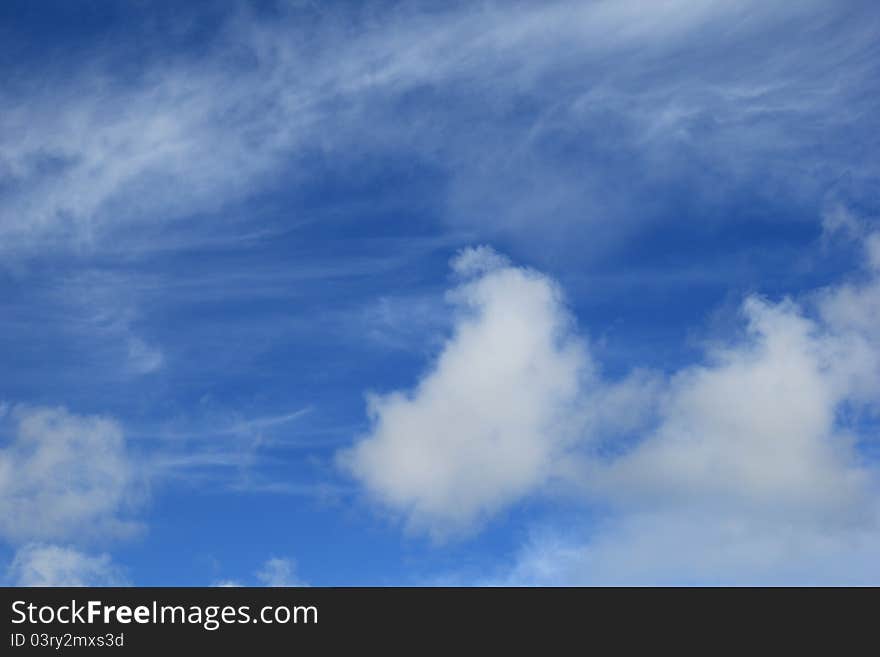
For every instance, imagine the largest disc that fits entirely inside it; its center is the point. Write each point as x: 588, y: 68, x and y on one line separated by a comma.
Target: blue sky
x: 343, y: 293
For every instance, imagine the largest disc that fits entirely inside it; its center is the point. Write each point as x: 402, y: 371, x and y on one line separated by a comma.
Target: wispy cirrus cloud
x: 531, y: 124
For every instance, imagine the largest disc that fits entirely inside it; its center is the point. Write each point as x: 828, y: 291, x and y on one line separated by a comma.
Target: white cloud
x: 750, y: 476
x: 745, y: 467
x: 64, y: 476
x: 53, y: 565
x: 754, y: 427
x: 488, y: 422
x: 279, y: 572
x: 753, y: 474
x: 478, y: 260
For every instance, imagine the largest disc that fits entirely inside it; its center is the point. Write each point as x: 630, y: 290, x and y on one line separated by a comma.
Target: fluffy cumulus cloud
x: 52, y: 565
x: 747, y: 467
x: 754, y: 473
x: 756, y: 425
x: 63, y: 476
x: 491, y: 418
